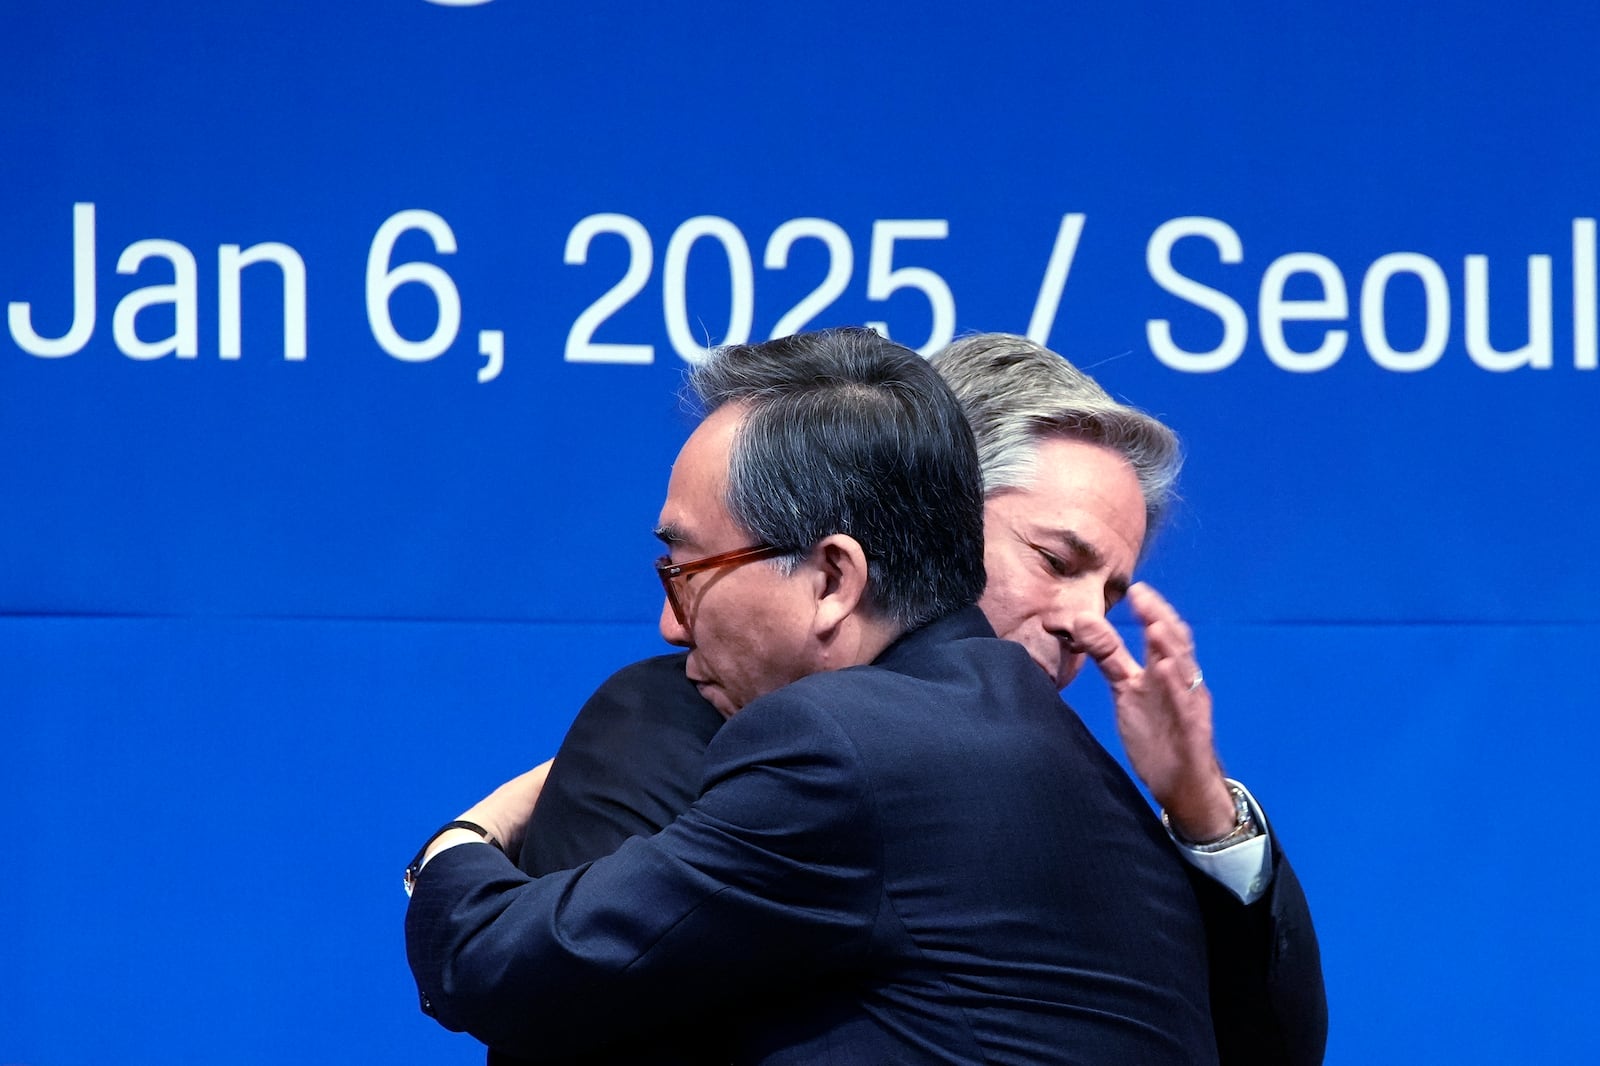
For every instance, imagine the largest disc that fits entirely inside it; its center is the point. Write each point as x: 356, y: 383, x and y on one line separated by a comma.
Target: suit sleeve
x: 630, y: 764
x: 769, y: 878
x: 1268, y: 1003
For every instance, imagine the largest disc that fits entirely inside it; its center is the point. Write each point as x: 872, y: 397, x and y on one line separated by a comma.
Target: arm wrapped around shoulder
x: 769, y: 878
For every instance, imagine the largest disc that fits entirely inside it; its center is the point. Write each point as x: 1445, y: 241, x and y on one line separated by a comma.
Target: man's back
x: 1030, y: 910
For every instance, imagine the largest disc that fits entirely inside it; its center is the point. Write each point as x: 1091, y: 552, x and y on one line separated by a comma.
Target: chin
x: 718, y: 700
x: 1050, y: 669
x: 1069, y: 672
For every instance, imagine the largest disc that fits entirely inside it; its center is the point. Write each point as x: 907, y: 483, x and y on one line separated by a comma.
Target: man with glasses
x: 1075, y: 485
x: 920, y: 859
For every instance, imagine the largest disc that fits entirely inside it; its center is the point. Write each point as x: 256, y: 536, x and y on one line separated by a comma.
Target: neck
x: 858, y: 642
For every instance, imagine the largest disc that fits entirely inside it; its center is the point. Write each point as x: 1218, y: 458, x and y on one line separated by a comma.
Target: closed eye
x: 1082, y: 558
x: 1054, y: 563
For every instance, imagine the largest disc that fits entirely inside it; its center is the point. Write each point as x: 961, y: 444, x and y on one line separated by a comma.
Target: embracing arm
x: 778, y: 852
x: 630, y: 764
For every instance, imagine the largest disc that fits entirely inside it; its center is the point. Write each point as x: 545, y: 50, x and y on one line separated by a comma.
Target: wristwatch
x: 416, y: 864
x: 1244, y: 828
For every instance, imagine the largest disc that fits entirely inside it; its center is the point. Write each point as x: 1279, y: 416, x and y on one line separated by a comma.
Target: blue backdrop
x: 338, y: 393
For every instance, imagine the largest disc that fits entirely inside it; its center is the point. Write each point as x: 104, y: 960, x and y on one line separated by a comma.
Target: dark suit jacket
x: 633, y: 760
x: 924, y: 860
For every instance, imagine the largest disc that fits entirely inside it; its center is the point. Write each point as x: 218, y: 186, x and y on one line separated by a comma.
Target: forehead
x: 1089, y: 489
x: 696, y: 505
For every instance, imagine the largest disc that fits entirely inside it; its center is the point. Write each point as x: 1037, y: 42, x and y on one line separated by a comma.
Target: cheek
x: 1005, y: 603
x: 749, y: 659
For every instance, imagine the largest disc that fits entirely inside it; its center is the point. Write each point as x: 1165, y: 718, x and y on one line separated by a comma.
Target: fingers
x: 1162, y: 620
x: 1168, y: 640
x: 1164, y: 717
x: 1171, y: 664
x: 1167, y: 637
x: 1177, y: 677
x: 1099, y: 638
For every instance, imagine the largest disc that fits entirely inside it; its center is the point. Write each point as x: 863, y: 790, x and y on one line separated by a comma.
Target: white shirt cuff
x: 1244, y: 869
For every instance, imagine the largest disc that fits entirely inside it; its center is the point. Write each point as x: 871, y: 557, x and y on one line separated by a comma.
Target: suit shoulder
x: 653, y: 693
x: 656, y: 670
x: 969, y: 668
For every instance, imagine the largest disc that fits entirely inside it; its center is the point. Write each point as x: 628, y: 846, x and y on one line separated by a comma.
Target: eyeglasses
x: 669, y: 572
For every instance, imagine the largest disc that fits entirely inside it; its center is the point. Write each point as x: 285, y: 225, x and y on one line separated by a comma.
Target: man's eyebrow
x: 1081, y: 548
x: 669, y: 534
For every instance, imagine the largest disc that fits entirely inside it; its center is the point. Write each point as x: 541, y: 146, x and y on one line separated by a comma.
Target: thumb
x: 1101, y: 641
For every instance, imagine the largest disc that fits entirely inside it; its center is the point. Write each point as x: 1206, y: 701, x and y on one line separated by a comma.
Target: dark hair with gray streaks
x: 847, y: 432
x: 1016, y: 392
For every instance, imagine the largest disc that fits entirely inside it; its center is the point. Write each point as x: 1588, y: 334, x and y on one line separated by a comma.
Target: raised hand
x: 1163, y: 711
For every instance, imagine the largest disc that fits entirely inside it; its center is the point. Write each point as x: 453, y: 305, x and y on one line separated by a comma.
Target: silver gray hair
x: 1016, y: 393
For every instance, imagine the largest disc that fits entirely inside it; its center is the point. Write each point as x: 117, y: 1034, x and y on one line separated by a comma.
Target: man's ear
x: 841, y: 582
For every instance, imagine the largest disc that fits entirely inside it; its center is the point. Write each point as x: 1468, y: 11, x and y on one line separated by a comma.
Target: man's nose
x: 1072, y: 600
x: 673, y: 631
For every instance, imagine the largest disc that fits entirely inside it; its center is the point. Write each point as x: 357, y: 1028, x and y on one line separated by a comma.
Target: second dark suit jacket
x: 924, y: 860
